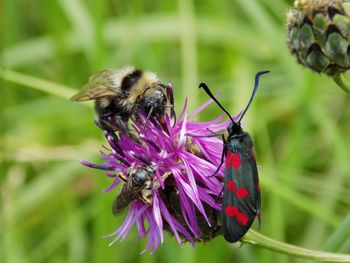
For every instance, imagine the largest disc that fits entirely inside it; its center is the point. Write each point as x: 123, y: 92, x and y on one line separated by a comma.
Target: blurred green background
x: 52, y: 208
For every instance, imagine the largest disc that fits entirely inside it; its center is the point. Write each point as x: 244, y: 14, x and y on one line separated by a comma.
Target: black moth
x: 241, y: 200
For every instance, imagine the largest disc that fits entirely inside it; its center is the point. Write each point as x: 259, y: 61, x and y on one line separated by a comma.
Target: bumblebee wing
x: 241, y: 201
x: 102, y: 84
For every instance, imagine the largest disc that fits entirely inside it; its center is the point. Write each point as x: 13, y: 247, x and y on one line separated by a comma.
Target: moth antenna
x: 256, y: 84
x: 207, y: 90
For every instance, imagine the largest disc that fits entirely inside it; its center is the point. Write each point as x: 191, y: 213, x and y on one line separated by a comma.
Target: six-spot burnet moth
x: 241, y: 200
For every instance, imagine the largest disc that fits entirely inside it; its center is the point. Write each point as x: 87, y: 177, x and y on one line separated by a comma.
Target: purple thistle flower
x: 184, y: 196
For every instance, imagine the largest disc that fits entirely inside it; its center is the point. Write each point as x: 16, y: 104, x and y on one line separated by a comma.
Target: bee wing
x: 123, y: 199
x: 121, y: 202
x: 100, y: 85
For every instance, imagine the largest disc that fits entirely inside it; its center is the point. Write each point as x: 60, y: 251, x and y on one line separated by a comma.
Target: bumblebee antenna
x: 207, y: 90
x: 256, y: 84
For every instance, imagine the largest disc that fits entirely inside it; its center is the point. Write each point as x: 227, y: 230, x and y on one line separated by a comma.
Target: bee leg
x: 164, y: 176
x: 131, y: 168
x: 104, y: 125
x: 122, y: 126
x: 146, y: 193
x: 122, y: 176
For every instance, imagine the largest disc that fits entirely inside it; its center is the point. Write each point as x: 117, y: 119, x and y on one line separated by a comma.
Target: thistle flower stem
x: 254, y: 238
x: 341, y: 82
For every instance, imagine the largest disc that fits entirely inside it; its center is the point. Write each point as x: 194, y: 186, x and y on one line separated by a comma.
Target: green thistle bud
x: 319, y: 35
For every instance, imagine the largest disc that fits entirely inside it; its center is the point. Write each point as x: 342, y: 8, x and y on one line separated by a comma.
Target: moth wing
x: 102, y: 84
x: 241, y: 201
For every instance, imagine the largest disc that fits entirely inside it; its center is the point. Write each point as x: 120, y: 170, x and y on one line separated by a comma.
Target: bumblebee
x: 139, y: 184
x: 121, y: 94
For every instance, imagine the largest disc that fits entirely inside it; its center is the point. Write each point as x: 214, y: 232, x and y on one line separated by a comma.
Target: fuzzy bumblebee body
x: 121, y: 94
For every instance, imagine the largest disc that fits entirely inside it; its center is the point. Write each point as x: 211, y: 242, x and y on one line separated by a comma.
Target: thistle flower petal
x: 157, y: 217
x: 181, y: 141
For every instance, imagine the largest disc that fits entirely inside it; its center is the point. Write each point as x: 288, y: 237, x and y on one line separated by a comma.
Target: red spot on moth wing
x: 242, y: 192
x: 231, y: 186
x: 228, y: 160
x: 231, y: 211
x: 258, y: 187
x: 242, y: 218
x: 236, y: 161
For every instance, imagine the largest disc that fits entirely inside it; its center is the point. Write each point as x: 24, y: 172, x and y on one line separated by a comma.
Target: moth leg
x: 205, y: 136
x: 222, y: 155
x: 223, y: 150
x: 219, y: 195
x: 213, y: 134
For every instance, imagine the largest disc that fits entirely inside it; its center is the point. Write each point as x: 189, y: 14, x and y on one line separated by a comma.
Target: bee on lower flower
x: 139, y: 183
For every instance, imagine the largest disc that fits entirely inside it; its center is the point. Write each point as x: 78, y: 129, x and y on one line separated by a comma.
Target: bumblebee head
x: 154, y: 101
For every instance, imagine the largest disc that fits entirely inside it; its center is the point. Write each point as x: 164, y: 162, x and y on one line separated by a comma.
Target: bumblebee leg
x: 104, y: 125
x: 123, y: 127
x: 213, y: 134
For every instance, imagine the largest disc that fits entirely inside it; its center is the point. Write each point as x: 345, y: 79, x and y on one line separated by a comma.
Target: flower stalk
x: 254, y: 238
